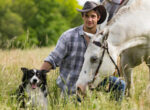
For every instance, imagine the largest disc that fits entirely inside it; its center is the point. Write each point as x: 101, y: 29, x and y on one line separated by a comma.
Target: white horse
x: 129, y: 36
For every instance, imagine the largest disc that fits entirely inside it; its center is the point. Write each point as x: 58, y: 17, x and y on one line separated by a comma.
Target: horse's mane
x: 131, y: 21
x: 123, y: 10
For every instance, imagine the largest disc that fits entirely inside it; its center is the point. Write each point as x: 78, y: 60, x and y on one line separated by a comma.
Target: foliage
x: 70, y: 13
x: 11, y: 26
x: 28, y: 23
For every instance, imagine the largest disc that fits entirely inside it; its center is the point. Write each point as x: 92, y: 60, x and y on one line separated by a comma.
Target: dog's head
x: 34, y: 77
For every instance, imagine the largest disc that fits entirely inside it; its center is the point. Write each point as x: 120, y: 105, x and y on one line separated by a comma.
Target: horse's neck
x: 125, y: 28
x: 115, y: 50
x: 107, y: 62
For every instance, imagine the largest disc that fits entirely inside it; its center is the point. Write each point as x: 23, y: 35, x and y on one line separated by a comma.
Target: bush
x: 10, y: 27
x: 29, y: 23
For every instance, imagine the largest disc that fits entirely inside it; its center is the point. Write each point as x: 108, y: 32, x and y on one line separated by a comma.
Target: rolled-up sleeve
x: 60, y: 51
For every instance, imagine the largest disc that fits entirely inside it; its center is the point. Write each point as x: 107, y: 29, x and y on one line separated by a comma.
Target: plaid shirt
x: 69, y: 56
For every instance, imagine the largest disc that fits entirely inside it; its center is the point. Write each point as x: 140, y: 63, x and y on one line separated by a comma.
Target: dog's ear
x: 44, y: 71
x: 24, y: 70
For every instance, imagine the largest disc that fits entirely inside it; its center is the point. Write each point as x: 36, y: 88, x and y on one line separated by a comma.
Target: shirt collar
x: 81, y: 32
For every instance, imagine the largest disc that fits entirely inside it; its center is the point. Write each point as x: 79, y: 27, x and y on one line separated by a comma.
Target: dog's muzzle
x: 34, y: 83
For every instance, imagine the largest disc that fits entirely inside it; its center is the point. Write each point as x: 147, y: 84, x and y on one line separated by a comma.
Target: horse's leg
x: 127, y: 72
x: 149, y: 71
x: 148, y: 87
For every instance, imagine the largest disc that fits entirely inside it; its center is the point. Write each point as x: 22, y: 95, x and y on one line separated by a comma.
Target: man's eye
x: 86, y: 16
x: 93, y: 16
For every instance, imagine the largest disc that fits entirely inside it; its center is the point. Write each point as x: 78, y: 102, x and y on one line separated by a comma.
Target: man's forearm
x: 46, y: 66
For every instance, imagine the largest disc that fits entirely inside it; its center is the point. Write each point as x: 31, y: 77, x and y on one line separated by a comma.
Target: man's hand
x: 46, y: 66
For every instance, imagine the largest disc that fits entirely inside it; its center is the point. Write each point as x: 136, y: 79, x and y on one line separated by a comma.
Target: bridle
x: 105, y: 48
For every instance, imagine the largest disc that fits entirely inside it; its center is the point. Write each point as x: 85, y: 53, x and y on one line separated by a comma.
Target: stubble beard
x: 89, y: 28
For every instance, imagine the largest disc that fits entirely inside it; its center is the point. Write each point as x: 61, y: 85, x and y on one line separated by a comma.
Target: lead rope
x: 113, y: 62
x: 105, y: 47
x: 101, y: 60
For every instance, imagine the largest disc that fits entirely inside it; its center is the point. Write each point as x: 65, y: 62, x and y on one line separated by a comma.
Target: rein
x: 105, y: 47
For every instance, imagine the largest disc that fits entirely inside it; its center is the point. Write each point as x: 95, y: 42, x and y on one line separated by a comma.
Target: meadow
x: 10, y: 77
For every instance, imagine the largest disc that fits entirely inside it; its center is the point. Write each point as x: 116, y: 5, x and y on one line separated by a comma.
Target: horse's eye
x: 97, y: 43
x: 93, y: 59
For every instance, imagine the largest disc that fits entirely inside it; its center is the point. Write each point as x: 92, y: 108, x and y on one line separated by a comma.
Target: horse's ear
x: 91, y: 36
x: 105, y: 34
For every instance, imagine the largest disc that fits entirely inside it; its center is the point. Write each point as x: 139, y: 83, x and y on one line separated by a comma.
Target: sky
x: 81, y: 2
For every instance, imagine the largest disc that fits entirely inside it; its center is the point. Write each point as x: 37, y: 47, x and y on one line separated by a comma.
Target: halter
x: 105, y: 48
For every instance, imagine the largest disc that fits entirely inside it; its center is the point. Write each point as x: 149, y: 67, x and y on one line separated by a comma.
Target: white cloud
x: 81, y: 2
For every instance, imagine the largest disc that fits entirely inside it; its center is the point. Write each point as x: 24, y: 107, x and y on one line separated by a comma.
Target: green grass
x: 10, y: 77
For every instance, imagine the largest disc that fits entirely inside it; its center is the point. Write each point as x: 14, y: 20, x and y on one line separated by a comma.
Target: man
x: 71, y: 46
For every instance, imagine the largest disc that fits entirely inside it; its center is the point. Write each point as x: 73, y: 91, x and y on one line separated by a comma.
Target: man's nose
x: 89, y: 18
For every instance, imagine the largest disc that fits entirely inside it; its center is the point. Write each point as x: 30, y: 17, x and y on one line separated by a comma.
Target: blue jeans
x: 114, y: 85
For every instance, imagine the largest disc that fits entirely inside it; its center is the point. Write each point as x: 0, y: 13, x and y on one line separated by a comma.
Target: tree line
x: 35, y: 23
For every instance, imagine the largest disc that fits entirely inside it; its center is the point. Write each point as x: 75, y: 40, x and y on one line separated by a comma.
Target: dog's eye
x: 31, y: 74
x: 38, y: 74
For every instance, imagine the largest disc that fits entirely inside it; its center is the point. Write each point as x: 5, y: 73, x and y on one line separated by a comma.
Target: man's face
x: 90, y: 19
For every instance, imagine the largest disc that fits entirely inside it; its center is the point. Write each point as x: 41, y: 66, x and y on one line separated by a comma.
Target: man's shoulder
x: 73, y: 30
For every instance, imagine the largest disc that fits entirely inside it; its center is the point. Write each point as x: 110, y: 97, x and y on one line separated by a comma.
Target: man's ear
x: 82, y: 17
x: 98, y: 18
x: 24, y: 70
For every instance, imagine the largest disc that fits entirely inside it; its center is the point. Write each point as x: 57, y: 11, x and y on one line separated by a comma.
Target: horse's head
x: 92, y: 59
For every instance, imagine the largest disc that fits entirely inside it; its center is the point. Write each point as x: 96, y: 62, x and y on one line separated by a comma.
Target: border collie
x: 33, y: 90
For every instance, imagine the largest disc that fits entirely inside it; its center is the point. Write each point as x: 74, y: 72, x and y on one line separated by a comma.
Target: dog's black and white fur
x: 33, y: 90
